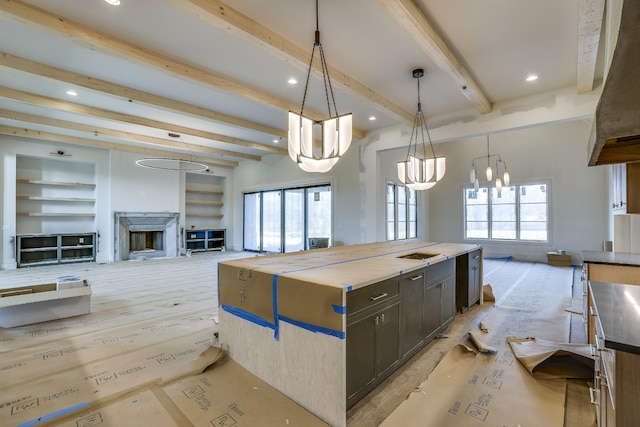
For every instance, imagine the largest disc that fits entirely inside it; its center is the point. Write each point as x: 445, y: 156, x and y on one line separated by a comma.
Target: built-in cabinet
x: 596, y: 272
x: 206, y: 240
x: 616, y: 385
x: 373, y: 336
x: 55, y: 211
x: 389, y: 322
x: 625, y: 188
x: 468, y: 280
x: 44, y: 249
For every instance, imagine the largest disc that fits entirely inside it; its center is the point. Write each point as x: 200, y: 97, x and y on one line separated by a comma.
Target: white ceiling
x: 497, y: 42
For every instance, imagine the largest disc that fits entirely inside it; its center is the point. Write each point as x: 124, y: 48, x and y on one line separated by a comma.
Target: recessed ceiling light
x: 372, y: 118
x: 532, y: 78
x: 113, y: 2
x: 72, y: 93
x: 292, y: 81
x: 275, y: 140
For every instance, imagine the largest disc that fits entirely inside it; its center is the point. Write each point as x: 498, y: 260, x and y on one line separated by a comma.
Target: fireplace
x: 145, y: 235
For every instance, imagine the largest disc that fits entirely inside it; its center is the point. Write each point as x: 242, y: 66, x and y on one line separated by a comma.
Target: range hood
x: 615, y: 136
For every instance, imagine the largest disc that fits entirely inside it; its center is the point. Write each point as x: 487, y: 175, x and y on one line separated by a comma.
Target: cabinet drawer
x: 441, y: 270
x: 372, y: 295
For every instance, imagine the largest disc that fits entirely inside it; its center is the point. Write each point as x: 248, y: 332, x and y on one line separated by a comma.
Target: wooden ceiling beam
x: 133, y: 95
x: 46, y: 102
x: 411, y: 18
x: 22, y: 12
x: 589, y: 30
x: 224, y: 17
x: 86, y: 142
x: 126, y: 136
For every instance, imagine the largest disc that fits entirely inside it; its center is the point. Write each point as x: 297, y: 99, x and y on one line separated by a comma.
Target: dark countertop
x: 618, y: 258
x: 618, y: 308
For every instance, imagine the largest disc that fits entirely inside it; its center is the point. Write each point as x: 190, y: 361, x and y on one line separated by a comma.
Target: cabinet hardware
x: 592, y: 350
x: 476, y: 257
x: 416, y: 278
x: 592, y: 393
x: 378, y: 297
x: 382, y: 317
x: 592, y: 311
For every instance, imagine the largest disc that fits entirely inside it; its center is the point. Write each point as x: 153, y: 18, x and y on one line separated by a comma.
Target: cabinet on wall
x: 206, y: 240
x: 43, y: 249
x: 468, y: 280
x: 625, y: 188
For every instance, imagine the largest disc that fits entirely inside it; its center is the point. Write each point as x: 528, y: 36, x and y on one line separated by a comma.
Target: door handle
x: 416, y: 278
x: 378, y: 297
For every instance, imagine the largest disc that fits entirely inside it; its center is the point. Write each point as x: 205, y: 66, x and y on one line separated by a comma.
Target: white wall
x: 555, y: 153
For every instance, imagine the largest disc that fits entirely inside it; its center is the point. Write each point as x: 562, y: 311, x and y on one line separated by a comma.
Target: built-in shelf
x: 55, y: 199
x: 54, y: 196
x: 55, y: 183
x: 203, y: 201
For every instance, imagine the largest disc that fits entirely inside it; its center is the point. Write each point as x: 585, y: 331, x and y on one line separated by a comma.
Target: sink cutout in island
x: 418, y: 255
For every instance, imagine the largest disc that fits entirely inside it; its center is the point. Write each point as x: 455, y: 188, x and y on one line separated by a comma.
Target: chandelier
x: 311, y: 155
x: 499, y: 163
x: 418, y: 171
x: 173, y: 164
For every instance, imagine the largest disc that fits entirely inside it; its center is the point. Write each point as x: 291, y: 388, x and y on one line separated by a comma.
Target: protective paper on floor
x: 547, y: 359
x: 472, y: 389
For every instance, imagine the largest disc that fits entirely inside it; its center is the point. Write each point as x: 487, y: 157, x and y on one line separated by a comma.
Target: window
x: 287, y: 220
x: 401, y: 207
x: 518, y: 213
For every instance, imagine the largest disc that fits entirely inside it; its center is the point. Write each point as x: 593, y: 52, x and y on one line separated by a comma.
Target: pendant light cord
x: 325, y: 71
x: 420, y: 122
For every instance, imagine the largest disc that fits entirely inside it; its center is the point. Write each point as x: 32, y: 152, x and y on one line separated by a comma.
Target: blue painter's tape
x: 314, y: 328
x: 274, y: 292
x: 247, y: 316
x: 349, y: 287
x: 340, y: 309
x: 54, y: 415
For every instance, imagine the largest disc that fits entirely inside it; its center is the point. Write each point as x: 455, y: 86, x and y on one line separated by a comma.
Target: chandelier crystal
x: 418, y: 171
x: 309, y: 154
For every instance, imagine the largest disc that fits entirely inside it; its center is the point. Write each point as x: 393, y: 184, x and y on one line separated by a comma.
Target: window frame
x: 518, y: 221
x: 282, y: 191
x: 410, y: 225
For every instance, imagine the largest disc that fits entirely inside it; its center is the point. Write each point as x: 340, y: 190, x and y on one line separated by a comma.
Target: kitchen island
x: 326, y: 326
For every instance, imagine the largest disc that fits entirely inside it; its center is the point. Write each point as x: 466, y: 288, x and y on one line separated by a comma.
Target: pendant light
x: 499, y: 164
x: 319, y: 156
x: 418, y: 171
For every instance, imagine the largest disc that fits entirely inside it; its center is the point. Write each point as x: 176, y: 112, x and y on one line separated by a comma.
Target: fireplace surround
x: 160, y: 231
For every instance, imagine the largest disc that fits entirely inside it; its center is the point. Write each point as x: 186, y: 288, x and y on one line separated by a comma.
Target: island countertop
x: 618, y: 307
x: 614, y: 258
x: 311, y: 286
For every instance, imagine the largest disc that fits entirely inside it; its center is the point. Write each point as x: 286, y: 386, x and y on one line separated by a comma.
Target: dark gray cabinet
x: 439, y: 298
x: 43, y: 249
x: 412, y: 295
x: 373, y: 336
x: 390, y: 321
x: 468, y: 280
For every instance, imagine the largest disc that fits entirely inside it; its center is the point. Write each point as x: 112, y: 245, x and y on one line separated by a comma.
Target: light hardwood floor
x: 154, y: 291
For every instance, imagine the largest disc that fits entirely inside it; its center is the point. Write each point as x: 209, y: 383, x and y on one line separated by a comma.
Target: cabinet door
x: 431, y: 310
x: 474, y: 277
x: 361, y: 350
x: 387, y: 339
x: 411, y: 311
x: 447, y: 300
